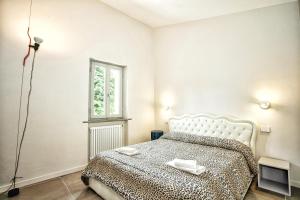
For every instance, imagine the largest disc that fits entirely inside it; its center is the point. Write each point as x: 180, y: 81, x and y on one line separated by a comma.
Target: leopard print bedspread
x: 230, y: 167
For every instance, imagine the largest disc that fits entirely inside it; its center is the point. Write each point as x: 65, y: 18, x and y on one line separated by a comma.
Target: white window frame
x: 107, y: 114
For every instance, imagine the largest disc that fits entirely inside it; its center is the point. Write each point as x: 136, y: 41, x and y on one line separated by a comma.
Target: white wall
x: 74, y: 31
x: 219, y: 65
x: 222, y: 65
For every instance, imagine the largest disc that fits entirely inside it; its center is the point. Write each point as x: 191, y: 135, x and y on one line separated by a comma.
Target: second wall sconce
x: 265, y: 105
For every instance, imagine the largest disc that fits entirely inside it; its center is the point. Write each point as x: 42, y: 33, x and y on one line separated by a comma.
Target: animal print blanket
x: 230, y: 167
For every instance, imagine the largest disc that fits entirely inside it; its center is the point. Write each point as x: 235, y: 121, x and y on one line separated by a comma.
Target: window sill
x: 106, y: 120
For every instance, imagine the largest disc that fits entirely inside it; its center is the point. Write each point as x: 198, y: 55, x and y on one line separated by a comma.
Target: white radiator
x: 105, y: 138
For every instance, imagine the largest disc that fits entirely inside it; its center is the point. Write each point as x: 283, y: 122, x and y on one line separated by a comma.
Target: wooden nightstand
x: 274, y: 175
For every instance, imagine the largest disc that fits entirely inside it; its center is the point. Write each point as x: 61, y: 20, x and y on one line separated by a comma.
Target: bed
x: 224, y: 145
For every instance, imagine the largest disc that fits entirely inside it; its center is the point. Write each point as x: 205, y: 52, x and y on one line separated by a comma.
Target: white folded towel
x: 189, y: 166
x: 127, y: 151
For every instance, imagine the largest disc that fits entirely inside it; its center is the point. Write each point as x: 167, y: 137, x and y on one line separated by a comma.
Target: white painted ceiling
x: 157, y: 13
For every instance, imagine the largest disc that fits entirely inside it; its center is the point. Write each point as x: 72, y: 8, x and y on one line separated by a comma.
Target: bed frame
x: 200, y: 124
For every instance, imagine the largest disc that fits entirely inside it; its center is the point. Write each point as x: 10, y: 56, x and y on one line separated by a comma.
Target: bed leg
x: 85, y: 180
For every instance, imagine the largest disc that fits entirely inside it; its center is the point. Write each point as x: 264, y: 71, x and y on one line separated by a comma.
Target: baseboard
x: 45, y: 177
x: 295, y: 183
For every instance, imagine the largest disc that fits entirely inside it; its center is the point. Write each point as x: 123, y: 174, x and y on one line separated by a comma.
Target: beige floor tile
x: 87, y: 194
x: 48, y: 190
x: 74, y: 183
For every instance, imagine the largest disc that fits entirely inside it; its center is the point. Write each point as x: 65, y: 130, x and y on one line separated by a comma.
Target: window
x: 106, y: 90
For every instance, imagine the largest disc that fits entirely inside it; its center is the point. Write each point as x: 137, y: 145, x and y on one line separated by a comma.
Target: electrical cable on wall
x: 12, y: 190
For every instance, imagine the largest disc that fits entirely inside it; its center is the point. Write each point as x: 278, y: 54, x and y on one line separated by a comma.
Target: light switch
x: 265, y: 129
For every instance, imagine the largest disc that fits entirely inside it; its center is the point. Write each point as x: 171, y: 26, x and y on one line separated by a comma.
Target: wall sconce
x: 265, y: 105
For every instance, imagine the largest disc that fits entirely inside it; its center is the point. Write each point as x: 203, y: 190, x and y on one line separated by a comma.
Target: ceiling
x: 157, y: 13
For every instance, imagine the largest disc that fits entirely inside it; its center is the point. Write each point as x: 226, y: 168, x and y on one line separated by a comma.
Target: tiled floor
x: 70, y: 187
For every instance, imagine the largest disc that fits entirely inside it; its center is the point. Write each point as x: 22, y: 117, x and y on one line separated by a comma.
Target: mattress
x: 104, y: 191
x: 230, y: 167
x: 108, y: 193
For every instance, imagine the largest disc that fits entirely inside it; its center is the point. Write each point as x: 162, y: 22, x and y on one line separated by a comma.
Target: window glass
x: 99, y: 99
x: 115, y: 91
x: 106, y: 89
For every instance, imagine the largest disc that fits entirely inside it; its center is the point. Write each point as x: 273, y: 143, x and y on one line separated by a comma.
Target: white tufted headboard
x: 216, y: 126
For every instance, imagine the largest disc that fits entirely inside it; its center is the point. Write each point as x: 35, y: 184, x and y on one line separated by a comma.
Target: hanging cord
x: 13, y: 181
x: 21, y: 94
x: 19, y: 121
x: 18, y: 148
x: 28, y: 34
x: 26, y: 117
x: 19, y: 118
x: 22, y: 81
x: 19, y: 145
